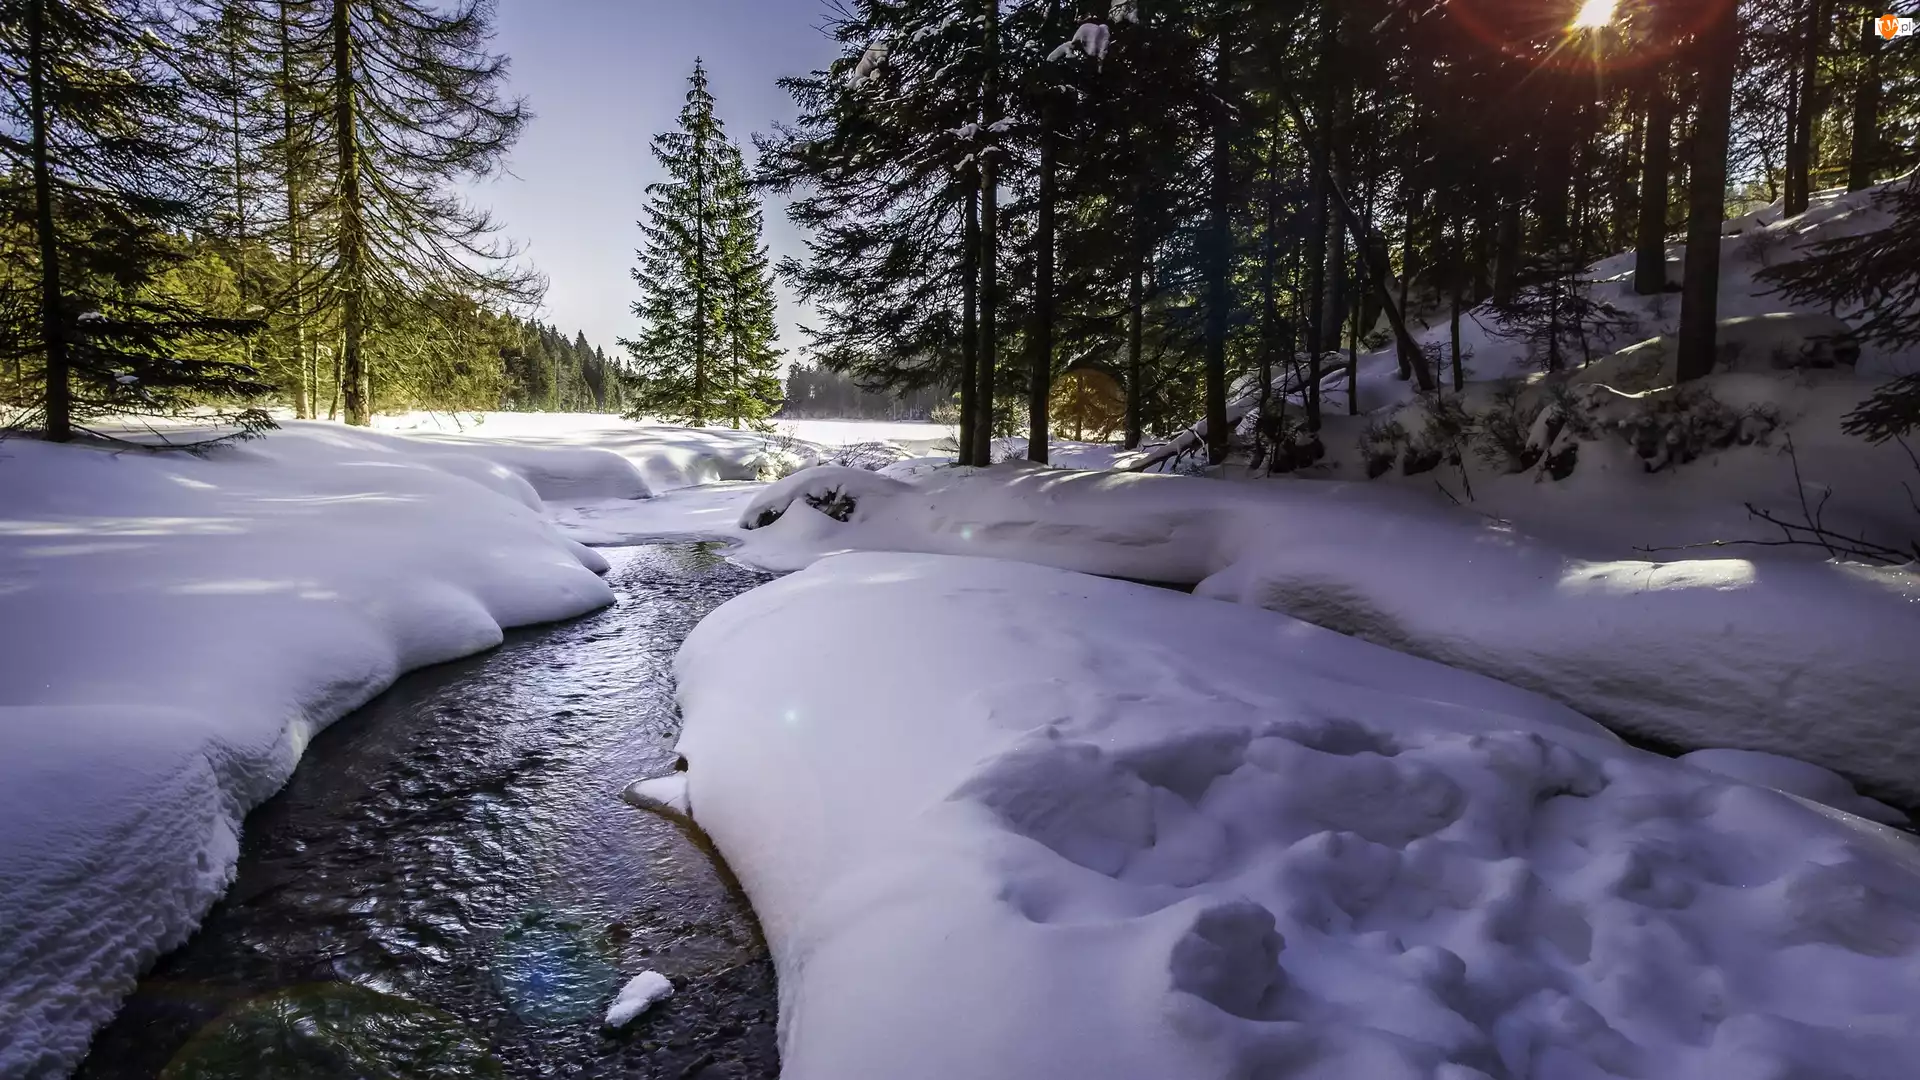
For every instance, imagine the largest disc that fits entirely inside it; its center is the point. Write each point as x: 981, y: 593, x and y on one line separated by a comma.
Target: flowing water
x: 450, y: 884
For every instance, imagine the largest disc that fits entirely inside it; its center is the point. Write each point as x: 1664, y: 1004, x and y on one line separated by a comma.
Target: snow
x: 658, y: 457
x: 183, y: 626
x: 871, y: 61
x: 640, y: 994
x: 1805, y: 659
x: 1795, y: 778
x: 661, y: 794
x: 1051, y: 825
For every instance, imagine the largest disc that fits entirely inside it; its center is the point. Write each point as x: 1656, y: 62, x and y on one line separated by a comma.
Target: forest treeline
x: 813, y: 392
x: 237, y: 202
x: 1182, y: 193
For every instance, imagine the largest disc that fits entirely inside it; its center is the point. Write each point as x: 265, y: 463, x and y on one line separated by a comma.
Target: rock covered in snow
x: 834, y: 490
x: 640, y: 993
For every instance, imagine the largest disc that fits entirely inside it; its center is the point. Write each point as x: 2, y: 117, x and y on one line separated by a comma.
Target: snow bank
x: 658, y: 457
x: 1810, y: 660
x: 1057, y: 826
x: 1795, y: 778
x: 179, y: 629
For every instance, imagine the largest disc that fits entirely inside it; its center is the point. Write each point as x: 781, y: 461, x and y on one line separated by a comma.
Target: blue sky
x: 603, y: 76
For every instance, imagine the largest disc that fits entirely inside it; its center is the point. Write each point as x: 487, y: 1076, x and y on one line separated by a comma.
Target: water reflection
x: 332, y: 1031
x: 460, y: 846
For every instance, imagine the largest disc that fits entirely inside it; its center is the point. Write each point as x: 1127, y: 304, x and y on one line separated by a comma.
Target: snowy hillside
x: 1606, y: 454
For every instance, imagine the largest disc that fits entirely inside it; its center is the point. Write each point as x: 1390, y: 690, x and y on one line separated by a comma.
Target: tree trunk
x: 1406, y: 270
x: 1269, y: 257
x: 1040, y: 337
x: 1318, y: 214
x: 59, y: 388
x: 1506, y: 250
x: 1136, y: 327
x: 989, y: 244
x: 1456, y: 279
x: 1219, y: 257
x: 353, y: 242
x: 1353, y: 366
x: 1373, y: 269
x: 1656, y: 162
x: 1800, y: 138
x: 970, y: 322
x: 699, y: 285
x: 1866, y: 111
x: 1716, y: 49
x: 307, y: 399
x: 1623, y: 198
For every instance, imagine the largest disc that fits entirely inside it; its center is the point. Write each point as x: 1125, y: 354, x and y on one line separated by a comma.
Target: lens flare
x: 1594, y: 14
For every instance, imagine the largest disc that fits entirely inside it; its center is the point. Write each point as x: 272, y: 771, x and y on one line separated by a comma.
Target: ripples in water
x: 451, y: 876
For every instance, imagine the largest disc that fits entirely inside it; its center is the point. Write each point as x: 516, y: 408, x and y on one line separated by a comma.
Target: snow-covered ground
x: 1001, y: 819
x: 1006, y: 821
x: 178, y: 629
x: 1806, y: 659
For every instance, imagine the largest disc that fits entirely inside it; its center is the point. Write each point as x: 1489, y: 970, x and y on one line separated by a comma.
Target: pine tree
x: 99, y: 179
x: 749, y: 359
x: 706, y: 301
x: 413, y: 106
x: 891, y: 151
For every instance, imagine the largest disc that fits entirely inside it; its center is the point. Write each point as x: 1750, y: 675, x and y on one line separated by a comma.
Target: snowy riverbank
x: 179, y: 628
x: 1800, y: 658
x: 1050, y: 825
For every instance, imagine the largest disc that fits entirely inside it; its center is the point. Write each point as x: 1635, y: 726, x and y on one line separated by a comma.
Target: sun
x: 1594, y: 14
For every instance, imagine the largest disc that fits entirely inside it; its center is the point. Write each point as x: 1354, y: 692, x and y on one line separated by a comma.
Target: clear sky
x: 603, y: 77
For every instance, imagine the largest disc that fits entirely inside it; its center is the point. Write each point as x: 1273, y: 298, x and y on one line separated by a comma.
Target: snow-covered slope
x: 178, y: 628
x: 1054, y: 826
x: 1807, y: 659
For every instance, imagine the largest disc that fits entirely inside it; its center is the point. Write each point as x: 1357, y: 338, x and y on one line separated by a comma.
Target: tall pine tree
x: 705, y: 350
x: 413, y: 105
x: 749, y: 360
x: 99, y: 176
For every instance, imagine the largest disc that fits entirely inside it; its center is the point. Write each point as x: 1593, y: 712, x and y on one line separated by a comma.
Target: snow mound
x: 1251, y: 847
x: 640, y: 994
x: 1797, y: 778
x: 1804, y: 659
x: 834, y: 490
x: 183, y: 628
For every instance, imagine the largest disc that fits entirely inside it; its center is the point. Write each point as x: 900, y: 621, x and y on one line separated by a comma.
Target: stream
x: 450, y: 884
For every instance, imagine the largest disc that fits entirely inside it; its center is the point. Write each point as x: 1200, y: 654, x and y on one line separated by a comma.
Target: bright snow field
x: 1047, y: 825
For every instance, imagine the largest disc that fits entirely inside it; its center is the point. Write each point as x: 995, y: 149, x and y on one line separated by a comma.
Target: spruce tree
x: 413, y: 105
x: 704, y: 351
x: 100, y: 177
x: 748, y: 357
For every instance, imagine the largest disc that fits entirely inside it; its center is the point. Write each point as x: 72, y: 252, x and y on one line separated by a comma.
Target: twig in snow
x: 1813, y: 517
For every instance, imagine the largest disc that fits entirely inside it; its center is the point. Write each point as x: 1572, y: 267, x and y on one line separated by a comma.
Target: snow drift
x: 1806, y: 659
x: 1058, y: 826
x: 178, y: 630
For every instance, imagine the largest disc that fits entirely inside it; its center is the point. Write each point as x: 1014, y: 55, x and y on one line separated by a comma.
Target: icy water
x: 451, y: 886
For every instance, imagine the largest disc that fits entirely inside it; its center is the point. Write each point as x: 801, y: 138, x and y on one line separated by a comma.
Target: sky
x: 603, y: 77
